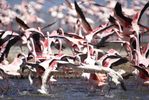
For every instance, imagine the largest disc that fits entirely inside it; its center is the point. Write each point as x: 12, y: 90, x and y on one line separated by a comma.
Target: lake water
x: 73, y: 89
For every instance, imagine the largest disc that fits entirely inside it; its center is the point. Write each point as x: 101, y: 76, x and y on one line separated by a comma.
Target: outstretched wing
x: 85, y: 24
x: 21, y: 23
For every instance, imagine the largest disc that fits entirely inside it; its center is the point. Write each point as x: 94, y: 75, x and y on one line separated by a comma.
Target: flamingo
x: 133, y: 25
x: 112, y: 58
x: 43, y: 70
x: 72, y: 42
x: 89, y: 32
x: 116, y: 77
x: 6, y: 50
x: 41, y: 74
x: 6, y: 35
x: 143, y: 73
x: 96, y: 78
x: 33, y: 37
x: 13, y: 68
x: 139, y: 56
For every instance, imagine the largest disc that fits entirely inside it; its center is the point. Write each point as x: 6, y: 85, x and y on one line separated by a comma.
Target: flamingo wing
x: 8, y: 46
x: 21, y: 23
x: 85, y: 24
x: 119, y: 13
x: 142, y: 11
x: 141, y: 69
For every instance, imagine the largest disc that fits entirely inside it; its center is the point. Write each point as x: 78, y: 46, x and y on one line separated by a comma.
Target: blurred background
x: 39, y: 13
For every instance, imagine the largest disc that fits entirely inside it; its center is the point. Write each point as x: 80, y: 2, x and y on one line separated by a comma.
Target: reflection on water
x: 72, y: 89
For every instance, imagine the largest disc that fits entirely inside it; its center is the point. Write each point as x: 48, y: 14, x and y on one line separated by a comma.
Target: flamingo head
x: 21, y: 56
x: 60, y: 31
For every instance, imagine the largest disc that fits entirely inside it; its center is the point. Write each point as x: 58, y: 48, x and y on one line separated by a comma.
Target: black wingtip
x: 118, y: 6
x: 112, y: 19
x: 79, y: 11
x: 85, y: 24
x: 21, y: 23
x: 76, y: 5
x: 118, y: 11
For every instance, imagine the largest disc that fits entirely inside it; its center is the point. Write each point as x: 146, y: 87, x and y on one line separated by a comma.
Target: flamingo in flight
x: 129, y: 25
x: 140, y: 59
x: 89, y: 32
x: 140, y: 56
x: 44, y: 70
x: 96, y: 78
x: 112, y: 58
x: 116, y: 77
x: 143, y: 73
x: 86, y: 57
x: 5, y: 51
x: 13, y: 68
x: 32, y: 36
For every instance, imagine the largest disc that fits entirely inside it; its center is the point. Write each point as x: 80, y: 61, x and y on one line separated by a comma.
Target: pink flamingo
x: 6, y: 50
x: 139, y: 56
x: 133, y: 25
x: 6, y: 39
x: 72, y: 42
x: 143, y: 73
x: 116, y: 77
x: 32, y: 37
x: 13, y: 68
x: 89, y: 32
x: 112, y: 58
x: 43, y: 70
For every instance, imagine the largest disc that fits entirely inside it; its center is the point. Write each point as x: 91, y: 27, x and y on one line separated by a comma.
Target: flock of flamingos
x: 85, y: 43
